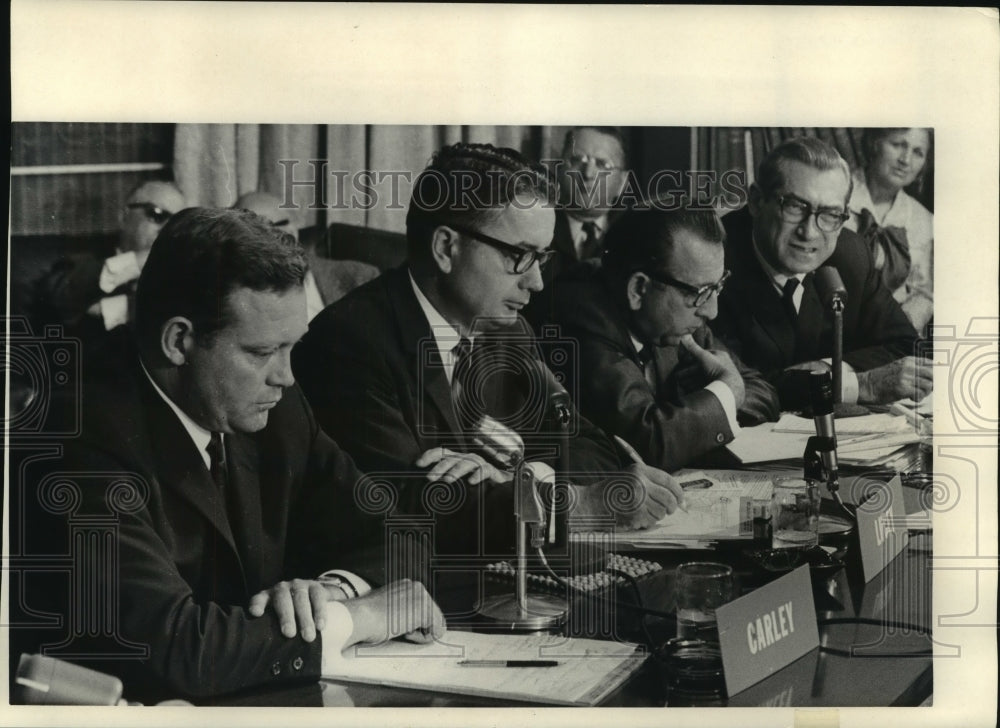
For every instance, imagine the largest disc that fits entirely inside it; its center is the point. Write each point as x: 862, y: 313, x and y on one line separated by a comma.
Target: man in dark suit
x: 383, y: 366
x: 90, y: 294
x: 592, y: 173
x: 327, y: 280
x: 228, y: 499
x: 650, y: 370
x: 770, y: 313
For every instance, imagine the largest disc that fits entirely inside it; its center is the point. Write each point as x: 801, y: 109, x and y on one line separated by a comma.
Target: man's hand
x: 403, y: 608
x: 907, y: 377
x: 717, y: 365
x: 638, y: 498
x: 299, y: 605
x: 451, y: 466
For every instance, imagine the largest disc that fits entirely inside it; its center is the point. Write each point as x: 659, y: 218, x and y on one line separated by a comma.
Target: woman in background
x: 899, y: 229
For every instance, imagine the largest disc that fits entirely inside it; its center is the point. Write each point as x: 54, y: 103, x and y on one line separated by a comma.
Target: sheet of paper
x: 587, y: 670
x: 864, y: 425
x: 761, y: 444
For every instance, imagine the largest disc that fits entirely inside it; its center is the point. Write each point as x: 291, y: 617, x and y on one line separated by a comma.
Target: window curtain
x: 368, y: 173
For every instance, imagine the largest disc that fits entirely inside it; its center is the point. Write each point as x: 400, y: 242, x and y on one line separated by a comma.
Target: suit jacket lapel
x: 768, y: 311
x: 423, y: 361
x: 179, y: 465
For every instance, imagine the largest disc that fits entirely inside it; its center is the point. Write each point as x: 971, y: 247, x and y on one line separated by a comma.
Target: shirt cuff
x: 355, y: 582
x: 114, y: 311
x: 849, y: 388
x: 335, y: 634
x: 118, y: 270
x: 727, y: 399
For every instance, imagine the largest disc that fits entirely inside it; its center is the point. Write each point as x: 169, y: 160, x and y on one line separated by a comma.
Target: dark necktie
x: 460, y: 377
x: 217, y: 463
x: 591, y: 246
x: 787, y: 297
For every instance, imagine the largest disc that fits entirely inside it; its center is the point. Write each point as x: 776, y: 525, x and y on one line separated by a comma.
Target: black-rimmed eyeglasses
x: 522, y: 258
x: 701, y: 293
x: 152, y: 212
x: 795, y: 209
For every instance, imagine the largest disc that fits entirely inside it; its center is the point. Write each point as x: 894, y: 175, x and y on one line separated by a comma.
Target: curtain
x: 365, y: 171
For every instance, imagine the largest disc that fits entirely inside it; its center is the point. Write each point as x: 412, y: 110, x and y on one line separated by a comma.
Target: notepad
x: 588, y: 670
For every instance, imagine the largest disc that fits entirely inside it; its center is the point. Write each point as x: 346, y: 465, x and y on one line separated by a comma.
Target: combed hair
x: 643, y: 238
x: 468, y: 183
x: 810, y: 151
x: 201, y: 255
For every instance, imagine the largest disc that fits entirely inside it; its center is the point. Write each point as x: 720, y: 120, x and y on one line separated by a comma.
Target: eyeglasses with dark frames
x: 522, y: 258
x: 152, y: 212
x: 795, y: 209
x: 701, y: 294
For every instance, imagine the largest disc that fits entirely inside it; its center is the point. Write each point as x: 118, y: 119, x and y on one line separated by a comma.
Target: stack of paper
x: 586, y: 671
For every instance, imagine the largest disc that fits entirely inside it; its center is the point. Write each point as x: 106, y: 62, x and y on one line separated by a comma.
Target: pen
x: 508, y: 663
x: 637, y: 459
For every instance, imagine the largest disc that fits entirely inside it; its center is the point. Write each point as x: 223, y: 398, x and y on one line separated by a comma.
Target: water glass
x: 702, y: 587
x: 795, y: 514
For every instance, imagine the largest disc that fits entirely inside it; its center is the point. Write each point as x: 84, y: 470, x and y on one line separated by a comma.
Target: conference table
x: 875, y: 640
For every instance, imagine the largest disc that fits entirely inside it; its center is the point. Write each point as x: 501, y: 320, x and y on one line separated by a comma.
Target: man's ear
x: 177, y: 340
x: 756, y: 199
x: 443, y: 247
x: 635, y: 290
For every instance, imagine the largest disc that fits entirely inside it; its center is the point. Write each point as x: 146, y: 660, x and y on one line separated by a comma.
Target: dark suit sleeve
x: 64, y: 294
x: 761, y: 402
x: 614, y: 392
x: 195, y: 649
x: 882, y: 332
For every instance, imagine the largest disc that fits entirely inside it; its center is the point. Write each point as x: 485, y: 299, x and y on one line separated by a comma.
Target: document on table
x: 587, y: 670
x: 860, y: 440
x: 724, y: 510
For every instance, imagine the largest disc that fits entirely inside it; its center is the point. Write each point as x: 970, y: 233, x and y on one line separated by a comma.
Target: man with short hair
x: 593, y: 174
x: 382, y: 367
x: 770, y: 312
x: 83, y: 287
x: 230, y: 499
x: 326, y: 280
x: 650, y: 370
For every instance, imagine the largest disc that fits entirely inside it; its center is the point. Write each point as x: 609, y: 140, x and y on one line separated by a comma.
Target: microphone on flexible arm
x: 821, y: 449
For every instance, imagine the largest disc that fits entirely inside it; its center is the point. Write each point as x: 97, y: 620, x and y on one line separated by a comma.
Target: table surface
x: 884, y: 664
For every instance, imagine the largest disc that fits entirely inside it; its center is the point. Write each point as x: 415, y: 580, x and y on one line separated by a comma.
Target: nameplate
x: 882, y: 525
x: 767, y: 629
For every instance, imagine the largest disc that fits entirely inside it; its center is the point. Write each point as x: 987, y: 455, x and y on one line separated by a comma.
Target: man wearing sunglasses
x: 425, y: 372
x: 650, y: 370
x: 89, y: 293
x: 770, y: 312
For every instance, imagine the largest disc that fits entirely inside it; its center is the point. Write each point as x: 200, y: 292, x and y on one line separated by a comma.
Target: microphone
x: 833, y: 294
x: 830, y: 286
x: 821, y: 401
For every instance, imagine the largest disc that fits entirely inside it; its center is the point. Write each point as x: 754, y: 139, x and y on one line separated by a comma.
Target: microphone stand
x: 522, y: 611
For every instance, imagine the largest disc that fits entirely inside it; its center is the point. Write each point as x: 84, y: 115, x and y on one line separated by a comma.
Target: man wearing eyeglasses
x: 770, y: 312
x: 650, y: 370
x: 383, y: 366
x: 88, y: 292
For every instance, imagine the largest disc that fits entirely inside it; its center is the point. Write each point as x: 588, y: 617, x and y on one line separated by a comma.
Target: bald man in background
x: 327, y: 280
x: 90, y: 294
